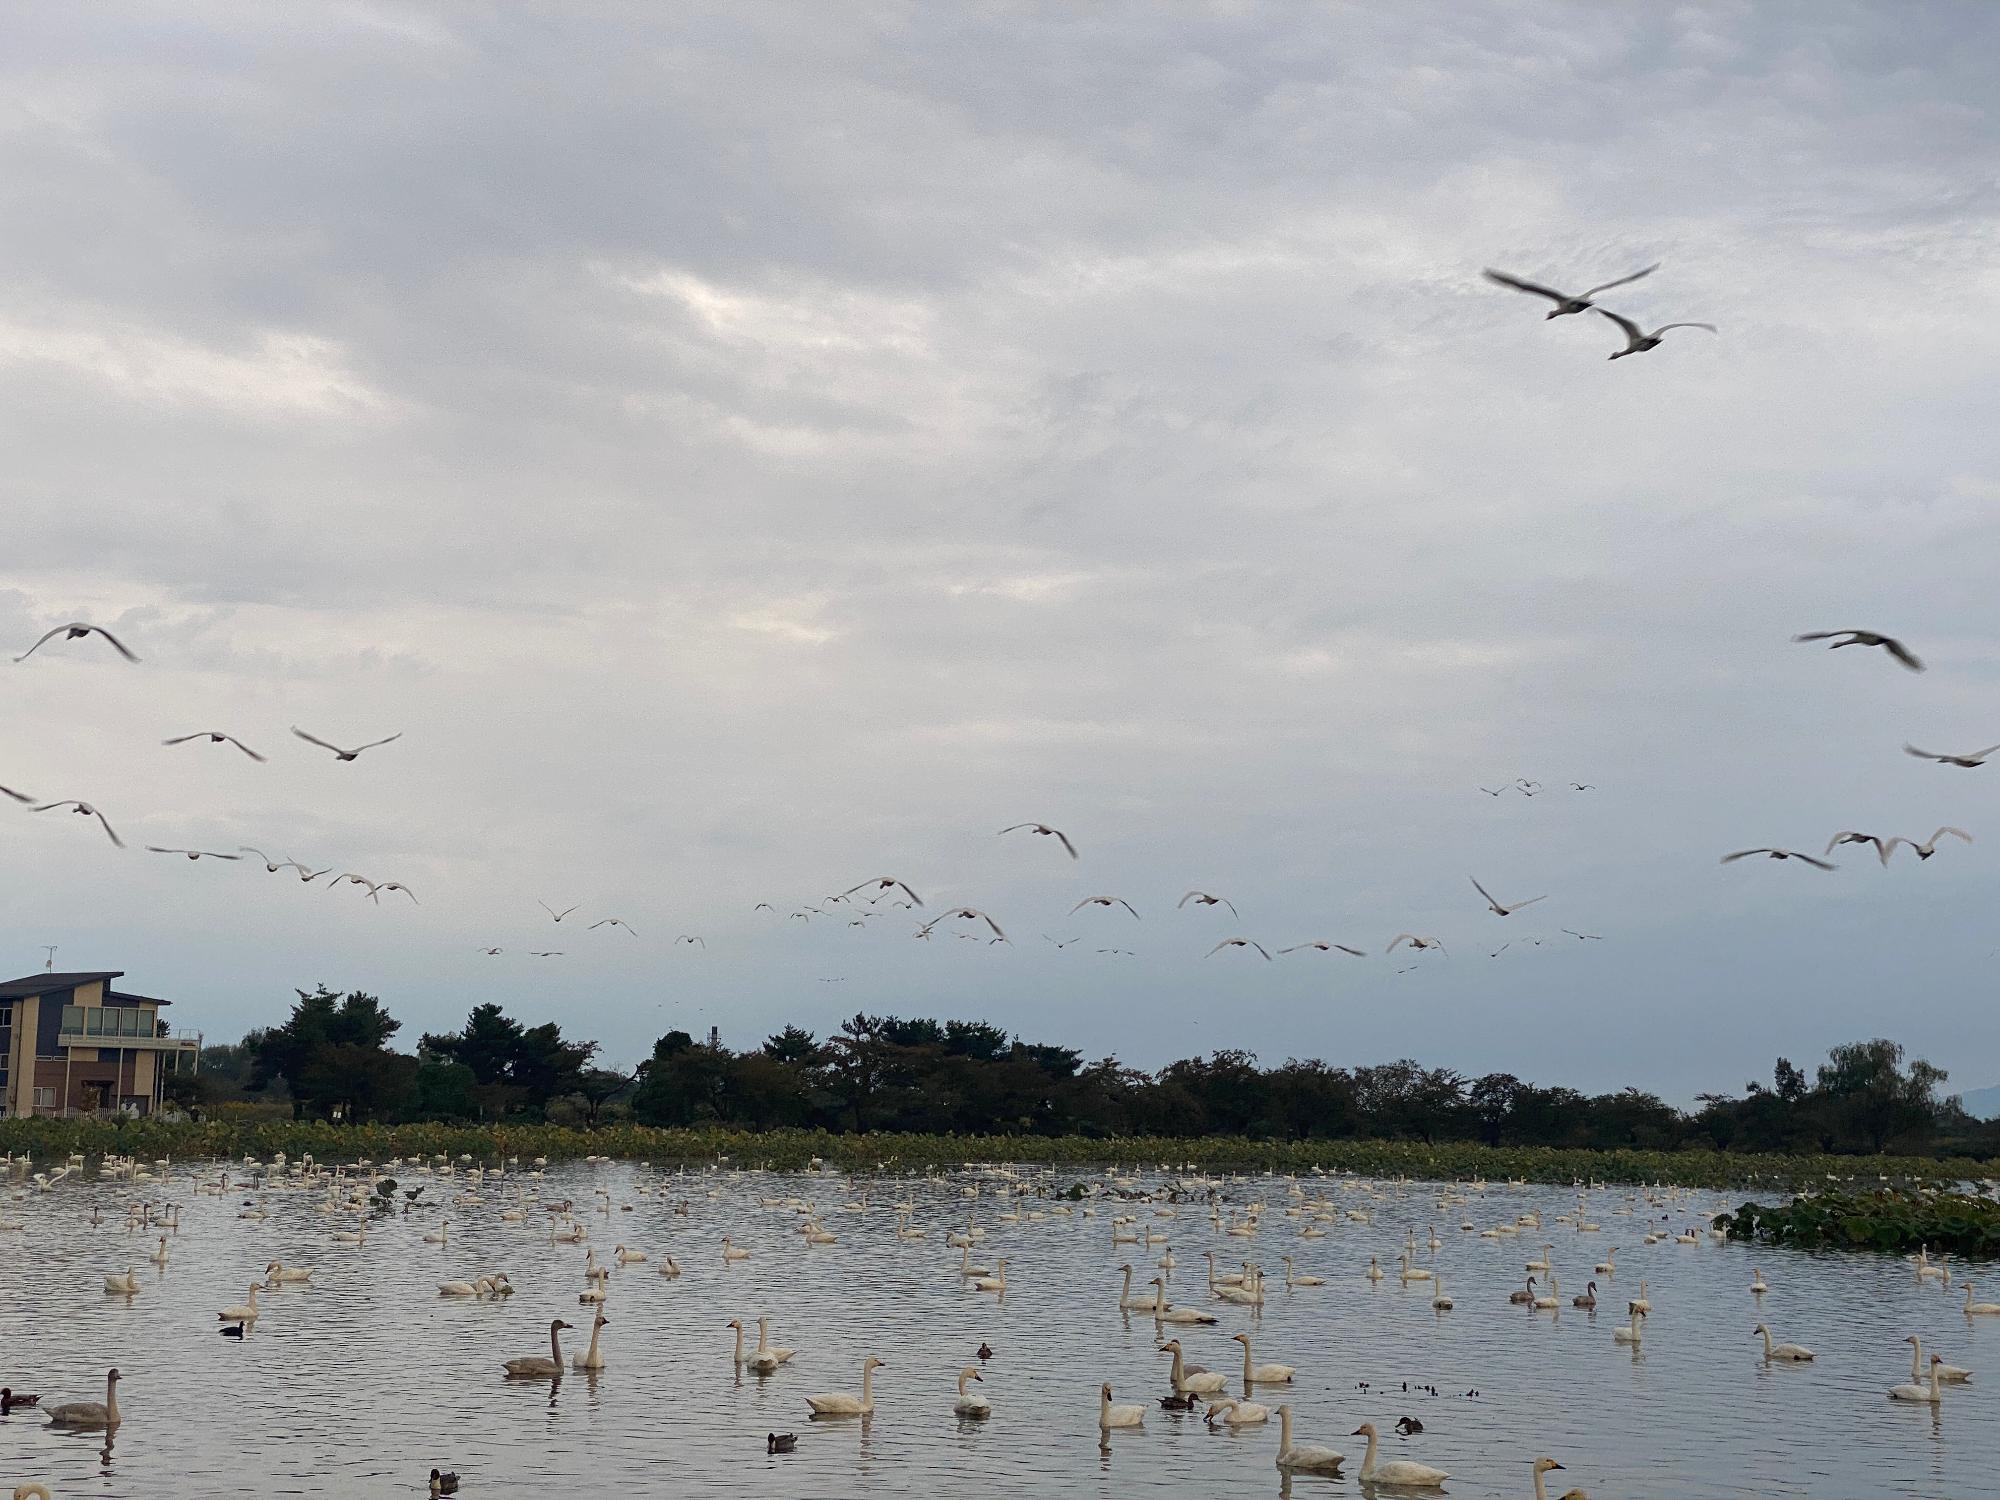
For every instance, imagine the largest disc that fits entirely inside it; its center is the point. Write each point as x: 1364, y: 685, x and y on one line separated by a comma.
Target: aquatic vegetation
x: 1891, y: 1219
x: 794, y: 1149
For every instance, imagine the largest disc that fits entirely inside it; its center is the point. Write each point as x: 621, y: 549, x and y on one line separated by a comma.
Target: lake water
x: 358, y: 1383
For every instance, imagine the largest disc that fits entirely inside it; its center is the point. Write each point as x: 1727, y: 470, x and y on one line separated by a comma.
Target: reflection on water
x: 363, y: 1378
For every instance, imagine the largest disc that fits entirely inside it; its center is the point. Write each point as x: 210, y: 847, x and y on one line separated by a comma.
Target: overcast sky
x: 745, y: 449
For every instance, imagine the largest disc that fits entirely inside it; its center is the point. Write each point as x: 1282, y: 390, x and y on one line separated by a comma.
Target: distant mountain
x: 1982, y: 1104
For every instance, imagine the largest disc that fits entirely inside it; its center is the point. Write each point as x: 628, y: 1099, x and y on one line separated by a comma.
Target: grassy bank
x: 790, y: 1149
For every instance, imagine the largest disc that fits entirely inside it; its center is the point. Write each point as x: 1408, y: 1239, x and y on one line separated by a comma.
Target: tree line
x: 332, y: 1059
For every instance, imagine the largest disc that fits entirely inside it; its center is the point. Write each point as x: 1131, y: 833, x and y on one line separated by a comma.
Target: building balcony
x: 70, y: 1039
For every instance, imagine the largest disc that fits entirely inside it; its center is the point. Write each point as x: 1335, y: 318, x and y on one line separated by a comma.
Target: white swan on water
x: 1109, y: 1416
x: 1978, y: 1309
x: 1398, y: 1470
x: 1629, y: 1335
x: 1311, y: 1457
x: 1294, y: 1279
x: 841, y: 1404
x: 1188, y: 1378
x: 122, y: 1286
x: 1256, y: 1374
x: 1797, y: 1353
x: 1929, y: 1394
x: 1950, y: 1374
x: 85, y: 1416
x: 1542, y: 1466
x: 476, y: 1288
x: 1163, y: 1314
x: 768, y: 1356
x: 1146, y: 1303
x: 243, y: 1312
x: 968, y: 1405
x: 593, y: 1357
x: 1233, y: 1413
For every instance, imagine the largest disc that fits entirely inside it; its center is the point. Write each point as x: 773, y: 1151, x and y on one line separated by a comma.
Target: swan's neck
x: 1285, y: 1430
x: 1767, y: 1343
x: 555, y: 1345
x: 763, y: 1334
x: 111, y: 1396
x: 1917, y: 1362
x: 739, y: 1343
x: 961, y: 1386
x: 1368, y: 1459
x: 867, y: 1385
x: 1178, y: 1367
x: 594, y: 1328
x: 1541, y: 1489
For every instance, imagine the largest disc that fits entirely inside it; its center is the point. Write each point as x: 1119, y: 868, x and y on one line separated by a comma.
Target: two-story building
x: 70, y: 1044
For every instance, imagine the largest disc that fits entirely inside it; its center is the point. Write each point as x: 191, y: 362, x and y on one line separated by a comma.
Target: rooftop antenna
x: 50, y: 949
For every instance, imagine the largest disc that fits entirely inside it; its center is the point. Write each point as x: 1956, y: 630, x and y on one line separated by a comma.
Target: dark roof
x: 48, y: 984
x: 126, y: 997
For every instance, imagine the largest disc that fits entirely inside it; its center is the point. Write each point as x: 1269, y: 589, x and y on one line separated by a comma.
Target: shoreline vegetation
x: 1889, y: 1219
x: 890, y: 1152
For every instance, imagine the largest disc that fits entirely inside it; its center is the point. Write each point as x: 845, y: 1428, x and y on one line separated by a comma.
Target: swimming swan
x: 1397, y: 1470
x: 477, y: 1288
x: 969, y: 1405
x: 1439, y: 1300
x: 1291, y: 1279
x: 1254, y: 1374
x: 1233, y: 1413
x: 534, y: 1367
x: 1629, y: 1335
x: 122, y: 1286
x: 593, y: 1357
x: 1542, y: 1466
x: 1795, y: 1352
x: 1109, y: 1416
x: 1950, y: 1374
x: 768, y: 1356
x: 1311, y: 1457
x: 731, y: 1252
x: 1974, y: 1309
x: 1930, y: 1394
x: 840, y: 1404
x: 1163, y: 1315
x: 1758, y: 1285
x: 1193, y: 1378
x: 1152, y: 1300
x: 242, y: 1312
x: 1642, y: 1301
x: 85, y: 1416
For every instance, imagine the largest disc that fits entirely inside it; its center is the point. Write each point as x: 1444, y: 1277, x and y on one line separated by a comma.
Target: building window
x: 45, y: 1098
x: 72, y: 1020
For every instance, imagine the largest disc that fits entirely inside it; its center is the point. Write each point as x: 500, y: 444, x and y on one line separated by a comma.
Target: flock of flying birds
x: 858, y: 908
x: 857, y: 913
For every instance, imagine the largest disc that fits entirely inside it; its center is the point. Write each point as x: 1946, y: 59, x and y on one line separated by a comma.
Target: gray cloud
x: 745, y: 449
